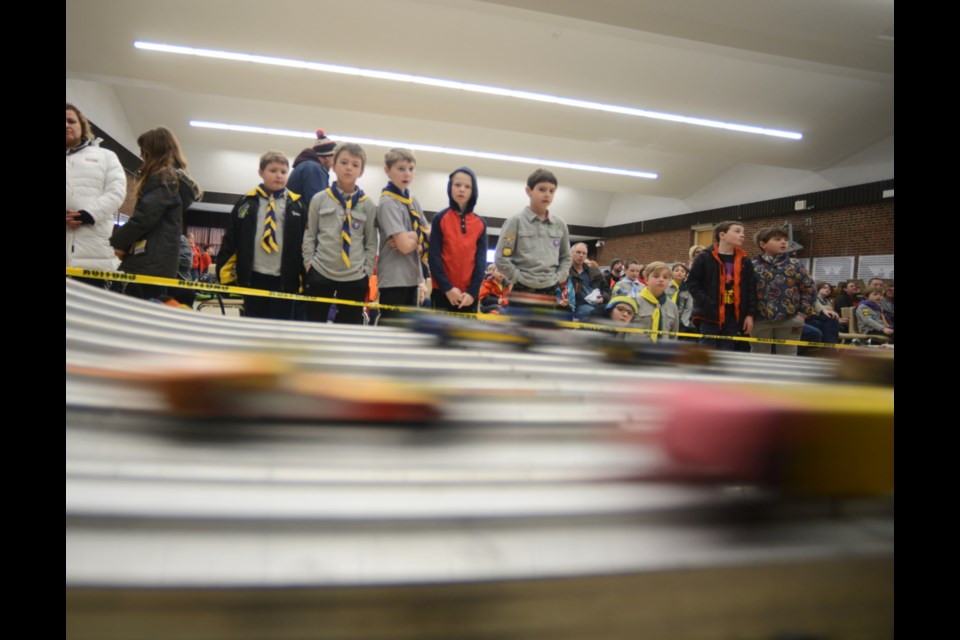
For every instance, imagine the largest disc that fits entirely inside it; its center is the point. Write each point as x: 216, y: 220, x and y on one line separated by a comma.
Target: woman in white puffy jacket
x: 96, y: 187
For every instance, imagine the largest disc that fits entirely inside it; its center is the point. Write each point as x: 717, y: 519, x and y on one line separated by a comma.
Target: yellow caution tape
x: 246, y: 291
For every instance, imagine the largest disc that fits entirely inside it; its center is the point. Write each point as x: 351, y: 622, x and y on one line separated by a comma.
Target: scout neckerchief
x: 676, y: 293
x: 269, y: 238
x: 657, y: 324
x: 415, y: 218
x: 876, y: 308
x: 358, y: 196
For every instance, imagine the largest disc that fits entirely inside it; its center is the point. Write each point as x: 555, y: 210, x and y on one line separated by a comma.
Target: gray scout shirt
x: 322, y: 242
x: 669, y: 316
x: 396, y: 269
x: 534, y: 252
x: 269, y: 263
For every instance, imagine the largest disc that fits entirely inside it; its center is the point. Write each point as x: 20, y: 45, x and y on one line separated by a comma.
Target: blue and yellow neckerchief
x: 415, y: 218
x: 348, y: 205
x: 268, y: 240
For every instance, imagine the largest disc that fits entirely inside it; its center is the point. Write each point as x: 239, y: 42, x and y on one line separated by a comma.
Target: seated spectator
x: 870, y: 316
x: 589, y: 285
x: 887, y: 302
x: 825, y: 319
x: 849, y: 297
x: 630, y: 284
x: 206, y: 258
x: 621, y: 310
x: 615, y: 272
x: 493, y: 291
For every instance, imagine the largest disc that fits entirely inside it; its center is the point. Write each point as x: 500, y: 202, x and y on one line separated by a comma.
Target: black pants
x: 263, y: 307
x: 323, y: 287
x: 442, y: 303
x: 145, y: 291
x: 397, y: 297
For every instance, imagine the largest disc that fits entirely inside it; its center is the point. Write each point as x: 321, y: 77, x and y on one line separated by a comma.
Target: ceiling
x: 820, y: 67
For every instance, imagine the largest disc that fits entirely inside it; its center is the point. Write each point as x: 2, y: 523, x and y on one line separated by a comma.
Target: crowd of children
x: 335, y: 242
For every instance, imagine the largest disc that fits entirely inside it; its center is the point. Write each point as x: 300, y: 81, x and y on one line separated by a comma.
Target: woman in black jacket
x: 149, y: 243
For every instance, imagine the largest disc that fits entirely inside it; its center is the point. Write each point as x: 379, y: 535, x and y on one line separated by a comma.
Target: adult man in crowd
x: 585, y: 280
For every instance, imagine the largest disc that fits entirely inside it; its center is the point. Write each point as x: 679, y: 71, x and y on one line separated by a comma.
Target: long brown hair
x: 161, y: 154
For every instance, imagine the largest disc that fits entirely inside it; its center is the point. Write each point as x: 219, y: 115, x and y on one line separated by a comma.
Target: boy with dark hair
x: 404, y: 234
x: 721, y: 283
x: 785, y: 293
x: 630, y: 284
x: 261, y: 247
x: 533, y: 252
x: 340, y: 241
x: 870, y: 316
x: 458, y: 247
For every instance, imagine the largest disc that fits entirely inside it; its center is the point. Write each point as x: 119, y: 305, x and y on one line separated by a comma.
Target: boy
x: 261, y: 247
x: 533, y: 252
x: 655, y: 310
x: 785, y: 293
x: 721, y: 283
x: 870, y: 316
x: 680, y: 295
x: 458, y: 246
x: 340, y: 241
x: 404, y: 235
x: 493, y: 293
x: 630, y: 285
x: 621, y: 310
x: 206, y: 257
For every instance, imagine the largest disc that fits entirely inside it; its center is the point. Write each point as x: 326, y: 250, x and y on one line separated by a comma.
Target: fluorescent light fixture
x: 464, y: 86
x: 310, y: 135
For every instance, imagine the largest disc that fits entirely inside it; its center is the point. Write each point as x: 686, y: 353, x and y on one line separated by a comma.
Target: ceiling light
x: 290, y: 133
x: 465, y: 86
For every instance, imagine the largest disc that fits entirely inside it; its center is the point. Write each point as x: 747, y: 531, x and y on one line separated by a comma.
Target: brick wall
x: 844, y: 231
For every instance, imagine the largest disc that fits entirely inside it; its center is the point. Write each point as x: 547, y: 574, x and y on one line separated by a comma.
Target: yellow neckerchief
x: 676, y: 293
x: 649, y: 297
x: 415, y: 218
x: 268, y: 241
x: 347, y: 204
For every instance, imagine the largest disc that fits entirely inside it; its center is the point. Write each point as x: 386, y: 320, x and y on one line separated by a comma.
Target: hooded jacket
x: 458, y: 244
x: 96, y: 185
x: 308, y: 177
x: 151, y: 237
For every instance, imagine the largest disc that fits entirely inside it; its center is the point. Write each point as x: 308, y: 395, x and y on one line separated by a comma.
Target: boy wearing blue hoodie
x: 458, y: 247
